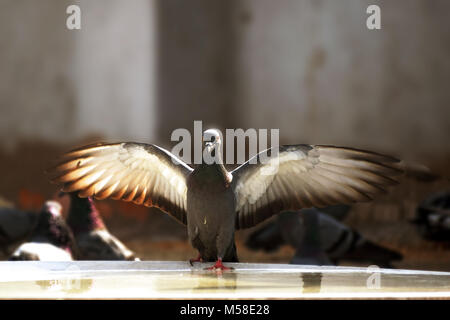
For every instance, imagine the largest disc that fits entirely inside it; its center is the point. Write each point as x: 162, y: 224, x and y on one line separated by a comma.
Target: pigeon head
x: 212, y: 144
x: 51, y: 227
x: 211, y: 139
x: 52, y: 208
x: 83, y: 216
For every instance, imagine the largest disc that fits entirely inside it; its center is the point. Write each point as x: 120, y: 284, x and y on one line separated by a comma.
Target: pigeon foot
x: 219, y: 266
x: 198, y: 259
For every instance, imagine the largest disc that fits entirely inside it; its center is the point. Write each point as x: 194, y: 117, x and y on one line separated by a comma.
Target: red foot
x: 219, y: 266
x: 198, y: 259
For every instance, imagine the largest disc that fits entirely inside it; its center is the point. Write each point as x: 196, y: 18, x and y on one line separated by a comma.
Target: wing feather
x: 309, y: 176
x: 136, y: 172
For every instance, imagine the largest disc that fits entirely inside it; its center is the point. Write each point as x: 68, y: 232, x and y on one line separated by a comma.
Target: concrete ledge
x: 178, y: 280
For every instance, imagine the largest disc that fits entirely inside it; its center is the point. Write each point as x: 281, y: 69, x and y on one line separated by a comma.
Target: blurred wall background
x: 313, y: 69
x: 139, y: 69
x: 60, y: 85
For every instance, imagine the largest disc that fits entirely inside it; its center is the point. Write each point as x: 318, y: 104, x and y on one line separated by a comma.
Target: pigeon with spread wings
x: 213, y: 202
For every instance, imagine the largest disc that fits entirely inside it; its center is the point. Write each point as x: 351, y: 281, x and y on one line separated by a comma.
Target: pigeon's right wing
x: 142, y: 173
x: 304, y: 176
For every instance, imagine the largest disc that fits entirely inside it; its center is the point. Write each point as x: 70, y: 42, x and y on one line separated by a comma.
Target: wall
x: 313, y: 69
x: 139, y: 69
x: 60, y: 85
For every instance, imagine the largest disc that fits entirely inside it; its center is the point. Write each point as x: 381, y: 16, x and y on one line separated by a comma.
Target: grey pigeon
x: 51, y: 239
x: 15, y: 226
x: 335, y: 239
x: 213, y: 202
x: 433, y: 217
x: 93, y: 239
x: 338, y: 212
x: 270, y: 237
x: 309, y: 247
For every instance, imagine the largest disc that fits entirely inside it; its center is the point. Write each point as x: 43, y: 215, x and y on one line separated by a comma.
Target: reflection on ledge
x: 311, y: 282
x: 165, y: 279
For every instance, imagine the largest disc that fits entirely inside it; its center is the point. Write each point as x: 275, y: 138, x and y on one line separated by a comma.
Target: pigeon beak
x: 209, y: 146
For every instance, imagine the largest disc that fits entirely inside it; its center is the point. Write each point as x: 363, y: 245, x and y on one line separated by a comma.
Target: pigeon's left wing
x: 142, y: 173
x: 303, y: 176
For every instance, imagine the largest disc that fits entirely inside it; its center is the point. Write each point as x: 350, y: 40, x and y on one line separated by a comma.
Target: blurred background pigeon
x: 302, y: 231
x: 92, y: 237
x: 270, y: 237
x: 15, y: 226
x: 51, y: 239
x: 338, y: 212
x: 433, y: 217
x: 319, y: 238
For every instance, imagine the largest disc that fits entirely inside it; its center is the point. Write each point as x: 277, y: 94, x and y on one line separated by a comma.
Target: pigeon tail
x: 365, y: 250
x: 231, y: 254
